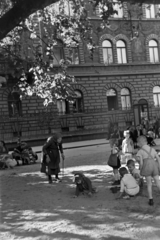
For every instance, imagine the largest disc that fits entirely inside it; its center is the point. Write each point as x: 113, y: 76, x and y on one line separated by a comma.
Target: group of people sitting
x: 129, y: 177
x: 22, y: 153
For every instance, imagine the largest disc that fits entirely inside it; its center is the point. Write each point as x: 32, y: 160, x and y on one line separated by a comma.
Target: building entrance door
x: 141, y: 111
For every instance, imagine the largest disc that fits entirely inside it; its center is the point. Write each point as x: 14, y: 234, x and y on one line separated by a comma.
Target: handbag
x: 44, y: 164
x: 113, y: 161
x: 43, y: 168
x: 47, y: 159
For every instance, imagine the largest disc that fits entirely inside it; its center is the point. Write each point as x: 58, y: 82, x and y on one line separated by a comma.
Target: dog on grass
x: 83, y: 185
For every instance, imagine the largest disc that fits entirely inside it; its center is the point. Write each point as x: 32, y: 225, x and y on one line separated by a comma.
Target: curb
x: 80, y: 146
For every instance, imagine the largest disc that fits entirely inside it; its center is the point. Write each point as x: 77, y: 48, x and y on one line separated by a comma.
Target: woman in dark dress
x: 51, y: 156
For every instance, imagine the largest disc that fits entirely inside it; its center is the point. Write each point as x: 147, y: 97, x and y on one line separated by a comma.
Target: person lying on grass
x: 128, y: 185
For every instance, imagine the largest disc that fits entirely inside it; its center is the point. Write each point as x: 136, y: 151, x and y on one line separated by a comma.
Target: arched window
x: 62, y: 106
x: 126, y: 99
x: 121, y: 52
x: 156, y: 96
x: 112, y: 99
x: 78, y: 105
x: 153, y: 51
x: 14, y: 104
x: 107, y: 52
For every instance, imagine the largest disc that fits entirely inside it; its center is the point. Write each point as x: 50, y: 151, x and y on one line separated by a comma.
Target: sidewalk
x: 78, y: 144
x: 88, y: 143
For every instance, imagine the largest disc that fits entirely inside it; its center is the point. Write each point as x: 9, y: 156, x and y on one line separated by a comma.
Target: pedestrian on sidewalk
x: 51, y: 156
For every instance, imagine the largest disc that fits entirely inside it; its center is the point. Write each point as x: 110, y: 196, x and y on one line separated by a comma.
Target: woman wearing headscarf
x: 51, y: 156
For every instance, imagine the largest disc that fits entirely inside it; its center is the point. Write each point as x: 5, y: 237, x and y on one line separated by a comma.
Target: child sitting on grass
x: 128, y: 185
x: 135, y: 172
x: 83, y: 185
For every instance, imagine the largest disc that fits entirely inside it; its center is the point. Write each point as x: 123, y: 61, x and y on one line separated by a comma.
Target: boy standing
x: 149, y: 168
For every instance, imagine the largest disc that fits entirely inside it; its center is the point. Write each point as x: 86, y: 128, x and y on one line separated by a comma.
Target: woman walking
x: 51, y: 156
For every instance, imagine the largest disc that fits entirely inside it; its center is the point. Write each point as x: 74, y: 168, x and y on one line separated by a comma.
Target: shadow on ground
x: 33, y: 209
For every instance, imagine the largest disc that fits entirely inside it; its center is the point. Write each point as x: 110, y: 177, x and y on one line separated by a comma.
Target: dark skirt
x: 52, y: 168
x: 53, y: 171
x: 118, y: 164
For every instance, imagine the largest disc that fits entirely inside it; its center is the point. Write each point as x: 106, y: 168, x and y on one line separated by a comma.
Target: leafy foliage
x: 30, y: 46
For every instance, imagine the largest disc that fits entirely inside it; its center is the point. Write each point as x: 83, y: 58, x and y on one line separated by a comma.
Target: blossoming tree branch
x: 48, y: 23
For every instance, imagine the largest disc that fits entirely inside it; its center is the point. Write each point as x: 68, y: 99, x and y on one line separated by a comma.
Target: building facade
x: 119, y: 85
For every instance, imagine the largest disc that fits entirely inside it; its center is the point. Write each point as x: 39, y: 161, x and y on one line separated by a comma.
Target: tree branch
x: 20, y: 11
x: 24, y: 8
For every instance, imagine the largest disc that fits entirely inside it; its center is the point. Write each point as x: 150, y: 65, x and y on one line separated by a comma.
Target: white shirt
x: 128, y: 182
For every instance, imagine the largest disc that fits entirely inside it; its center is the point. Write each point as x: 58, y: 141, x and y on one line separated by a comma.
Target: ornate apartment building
x: 120, y: 84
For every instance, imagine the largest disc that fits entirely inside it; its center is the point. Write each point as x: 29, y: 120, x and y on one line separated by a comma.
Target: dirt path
x: 31, y: 209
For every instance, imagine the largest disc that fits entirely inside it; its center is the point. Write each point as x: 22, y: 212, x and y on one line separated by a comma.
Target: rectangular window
x: 112, y: 103
x: 107, y: 55
x: 159, y: 100
x: 128, y: 100
x: 61, y: 106
x: 150, y: 11
x: 121, y: 55
x: 66, y: 7
x: 116, y: 6
x: 156, y: 58
x: 124, y: 58
x: 151, y: 54
x: 74, y: 55
x: 57, y: 55
x: 119, y: 8
x: 123, y: 103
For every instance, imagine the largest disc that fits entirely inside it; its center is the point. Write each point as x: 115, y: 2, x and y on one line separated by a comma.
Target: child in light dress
x: 128, y: 185
x: 149, y: 167
x: 127, y: 147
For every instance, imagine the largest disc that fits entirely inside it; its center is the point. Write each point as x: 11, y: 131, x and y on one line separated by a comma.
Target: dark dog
x: 83, y: 184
